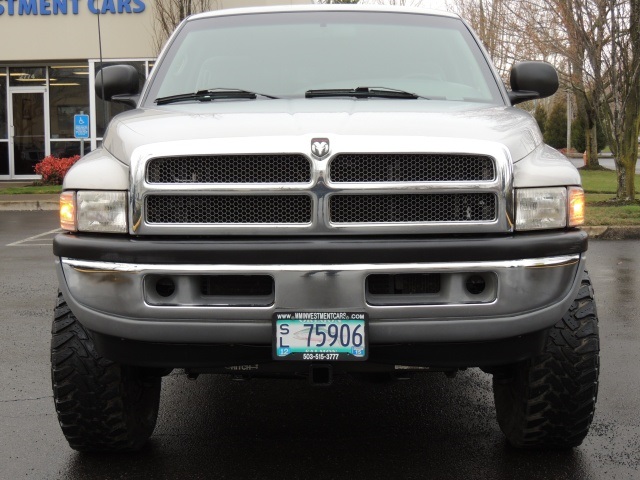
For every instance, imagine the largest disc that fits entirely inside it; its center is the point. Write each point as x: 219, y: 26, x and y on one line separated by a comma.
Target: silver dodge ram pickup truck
x: 315, y: 191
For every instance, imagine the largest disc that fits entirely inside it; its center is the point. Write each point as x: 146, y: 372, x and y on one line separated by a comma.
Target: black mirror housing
x: 531, y: 80
x: 118, y: 83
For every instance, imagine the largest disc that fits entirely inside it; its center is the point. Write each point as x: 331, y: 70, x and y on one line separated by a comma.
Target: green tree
x: 555, y: 129
x: 578, y: 138
x: 540, y: 114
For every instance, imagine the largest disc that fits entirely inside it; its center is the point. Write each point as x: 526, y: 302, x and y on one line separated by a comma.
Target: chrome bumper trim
x: 106, y: 267
x: 529, y: 295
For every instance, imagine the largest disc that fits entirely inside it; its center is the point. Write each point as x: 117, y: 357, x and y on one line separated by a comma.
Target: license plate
x: 320, y: 336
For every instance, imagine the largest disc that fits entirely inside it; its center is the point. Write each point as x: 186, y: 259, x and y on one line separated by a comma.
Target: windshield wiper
x: 363, y: 92
x: 211, y: 94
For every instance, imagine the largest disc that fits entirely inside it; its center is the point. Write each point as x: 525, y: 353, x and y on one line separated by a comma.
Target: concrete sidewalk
x: 50, y: 202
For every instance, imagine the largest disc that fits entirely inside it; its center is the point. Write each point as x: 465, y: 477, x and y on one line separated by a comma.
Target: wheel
x: 549, y: 401
x: 102, y: 406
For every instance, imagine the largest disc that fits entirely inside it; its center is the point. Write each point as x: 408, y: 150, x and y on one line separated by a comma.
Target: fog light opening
x: 165, y: 287
x: 476, y: 285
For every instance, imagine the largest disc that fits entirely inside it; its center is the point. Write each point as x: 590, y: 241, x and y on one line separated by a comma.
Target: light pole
x: 569, y: 115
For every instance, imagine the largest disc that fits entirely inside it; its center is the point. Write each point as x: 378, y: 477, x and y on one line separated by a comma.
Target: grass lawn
x: 599, y: 213
x: 601, y: 181
x: 44, y: 189
x: 600, y: 187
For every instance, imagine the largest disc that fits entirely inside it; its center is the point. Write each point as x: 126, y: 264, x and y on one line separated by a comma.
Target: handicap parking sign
x: 81, y: 126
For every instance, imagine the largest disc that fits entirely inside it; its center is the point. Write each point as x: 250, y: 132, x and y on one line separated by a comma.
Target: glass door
x: 4, y: 126
x: 28, y: 133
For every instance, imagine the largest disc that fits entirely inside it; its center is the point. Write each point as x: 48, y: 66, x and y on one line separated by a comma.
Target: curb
x: 613, y: 233
x: 28, y: 205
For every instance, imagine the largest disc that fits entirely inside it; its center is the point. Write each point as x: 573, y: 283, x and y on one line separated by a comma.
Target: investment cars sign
x: 69, y: 7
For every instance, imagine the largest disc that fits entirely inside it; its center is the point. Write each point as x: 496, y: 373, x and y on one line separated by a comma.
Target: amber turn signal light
x: 576, y: 206
x: 68, y: 211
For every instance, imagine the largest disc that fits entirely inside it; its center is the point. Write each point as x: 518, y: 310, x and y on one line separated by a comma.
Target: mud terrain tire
x: 549, y: 401
x: 102, y: 406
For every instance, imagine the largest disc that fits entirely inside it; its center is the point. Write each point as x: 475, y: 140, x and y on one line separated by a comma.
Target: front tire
x: 102, y: 406
x: 549, y: 401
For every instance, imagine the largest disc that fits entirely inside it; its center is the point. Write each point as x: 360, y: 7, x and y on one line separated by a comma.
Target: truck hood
x: 511, y: 127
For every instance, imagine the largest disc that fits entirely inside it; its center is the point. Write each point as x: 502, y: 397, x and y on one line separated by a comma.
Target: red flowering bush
x: 54, y: 169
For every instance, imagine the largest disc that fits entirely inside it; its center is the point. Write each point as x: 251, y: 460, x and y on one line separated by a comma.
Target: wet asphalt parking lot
x: 428, y: 427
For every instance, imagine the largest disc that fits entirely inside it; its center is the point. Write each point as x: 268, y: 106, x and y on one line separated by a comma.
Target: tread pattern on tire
x: 549, y: 401
x: 101, y: 405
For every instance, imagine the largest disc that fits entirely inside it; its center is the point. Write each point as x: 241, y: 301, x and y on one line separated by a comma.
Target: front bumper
x: 536, y: 279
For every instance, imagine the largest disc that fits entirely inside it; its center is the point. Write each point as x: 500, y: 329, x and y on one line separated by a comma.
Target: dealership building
x: 48, y: 62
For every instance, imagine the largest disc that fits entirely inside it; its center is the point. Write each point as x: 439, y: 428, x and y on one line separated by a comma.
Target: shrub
x: 54, y: 169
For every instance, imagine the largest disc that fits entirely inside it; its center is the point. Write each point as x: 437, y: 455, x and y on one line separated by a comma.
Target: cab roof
x: 322, y: 8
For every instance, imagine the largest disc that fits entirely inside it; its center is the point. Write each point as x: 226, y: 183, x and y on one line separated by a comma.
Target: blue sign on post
x: 81, y: 126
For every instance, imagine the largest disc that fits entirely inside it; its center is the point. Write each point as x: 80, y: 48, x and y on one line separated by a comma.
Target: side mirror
x: 118, y: 83
x: 531, y: 80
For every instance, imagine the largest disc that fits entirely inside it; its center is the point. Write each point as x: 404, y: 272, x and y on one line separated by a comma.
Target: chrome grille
x: 228, y: 209
x: 263, y: 168
x: 438, y: 207
x: 425, y: 185
x: 410, y: 167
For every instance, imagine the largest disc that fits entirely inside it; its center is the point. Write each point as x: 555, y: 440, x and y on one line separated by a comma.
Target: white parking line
x: 30, y: 242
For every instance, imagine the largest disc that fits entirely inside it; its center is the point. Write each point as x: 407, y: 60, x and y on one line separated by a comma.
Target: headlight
x: 94, y: 211
x: 544, y: 208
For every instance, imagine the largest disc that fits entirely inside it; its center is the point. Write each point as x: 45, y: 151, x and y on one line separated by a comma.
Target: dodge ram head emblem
x: 320, y: 147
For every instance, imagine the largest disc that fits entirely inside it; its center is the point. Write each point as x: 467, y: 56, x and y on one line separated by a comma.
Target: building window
x: 68, y: 96
x: 28, y: 77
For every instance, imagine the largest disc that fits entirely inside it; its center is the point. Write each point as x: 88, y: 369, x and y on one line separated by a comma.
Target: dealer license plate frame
x: 292, y: 341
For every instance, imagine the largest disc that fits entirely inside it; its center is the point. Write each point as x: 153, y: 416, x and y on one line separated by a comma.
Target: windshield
x: 287, y: 54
